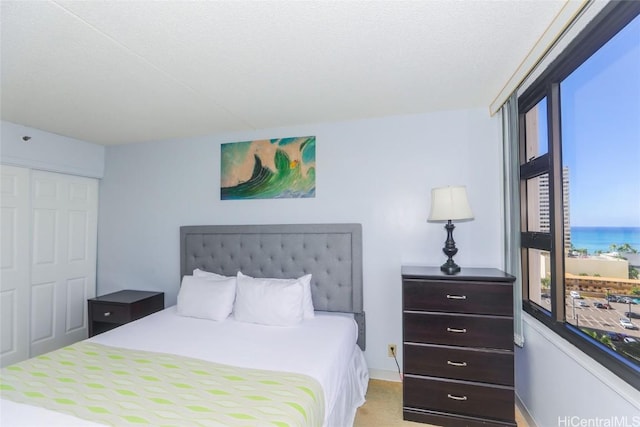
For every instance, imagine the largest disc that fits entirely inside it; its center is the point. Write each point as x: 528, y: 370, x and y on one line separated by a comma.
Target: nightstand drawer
x: 495, y: 367
x: 458, y: 297
x: 118, y: 308
x: 458, y: 330
x: 110, y: 313
x: 462, y: 398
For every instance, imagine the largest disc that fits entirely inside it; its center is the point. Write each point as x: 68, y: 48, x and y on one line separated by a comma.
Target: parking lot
x: 582, y: 312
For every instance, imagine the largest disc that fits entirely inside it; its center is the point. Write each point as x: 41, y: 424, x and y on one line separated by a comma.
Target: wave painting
x: 268, y: 169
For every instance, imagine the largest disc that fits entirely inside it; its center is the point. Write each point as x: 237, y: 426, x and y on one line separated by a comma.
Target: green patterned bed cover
x: 116, y: 386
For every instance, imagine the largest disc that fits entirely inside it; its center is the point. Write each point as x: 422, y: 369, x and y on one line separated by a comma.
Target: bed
x: 172, y: 369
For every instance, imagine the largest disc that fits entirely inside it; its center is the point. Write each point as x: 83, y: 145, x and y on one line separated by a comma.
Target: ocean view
x: 601, y: 238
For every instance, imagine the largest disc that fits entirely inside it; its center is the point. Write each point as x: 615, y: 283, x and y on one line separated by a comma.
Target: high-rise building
x: 543, y: 192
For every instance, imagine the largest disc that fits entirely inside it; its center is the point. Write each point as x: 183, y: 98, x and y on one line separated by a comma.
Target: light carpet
x: 383, y: 407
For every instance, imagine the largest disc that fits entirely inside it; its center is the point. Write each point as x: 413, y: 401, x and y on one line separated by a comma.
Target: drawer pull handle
x: 107, y: 314
x: 457, y: 331
x: 461, y: 364
x: 451, y: 396
x: 456, y: 296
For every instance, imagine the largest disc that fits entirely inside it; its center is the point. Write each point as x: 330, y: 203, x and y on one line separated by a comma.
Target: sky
x: 600, y: 104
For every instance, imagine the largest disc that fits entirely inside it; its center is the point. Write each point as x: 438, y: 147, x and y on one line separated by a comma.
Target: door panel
x: 64, y: 240
x: 14, y: 264
x: 79, y: 192
x: 78, y: 229
x: 45, y: 231
x: 48, y: 223
x: 9, y: 218
x: 8, y: 320
x: 42, y: 312
x: 76, y: 304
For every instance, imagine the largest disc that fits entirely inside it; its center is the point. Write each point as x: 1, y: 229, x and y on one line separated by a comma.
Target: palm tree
x: 606, y: 340
x: 627, y: 248
x: 545, y: 282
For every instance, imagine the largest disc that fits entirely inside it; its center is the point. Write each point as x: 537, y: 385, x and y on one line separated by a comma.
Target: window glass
x: 600, y: 111
x: 539, y: 278
x: 536, y: 131
x: 538, y: 204
x: 581, y: 209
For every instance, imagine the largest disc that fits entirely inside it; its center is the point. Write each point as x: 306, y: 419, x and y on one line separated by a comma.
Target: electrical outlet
x: 391, y: 350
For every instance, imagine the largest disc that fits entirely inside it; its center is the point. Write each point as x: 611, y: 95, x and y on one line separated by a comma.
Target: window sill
x: 625, y: 390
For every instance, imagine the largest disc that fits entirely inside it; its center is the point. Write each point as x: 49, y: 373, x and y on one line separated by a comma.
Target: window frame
x: 615, y: 16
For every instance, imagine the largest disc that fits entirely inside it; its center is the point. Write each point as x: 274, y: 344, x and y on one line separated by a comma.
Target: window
x: 580, y: 186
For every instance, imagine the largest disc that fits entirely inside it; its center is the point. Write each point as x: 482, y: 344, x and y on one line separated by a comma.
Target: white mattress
x: 323, y: 348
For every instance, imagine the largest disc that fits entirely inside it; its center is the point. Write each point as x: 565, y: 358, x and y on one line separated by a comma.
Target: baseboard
x: 383, y: 374
x: 525, y: 413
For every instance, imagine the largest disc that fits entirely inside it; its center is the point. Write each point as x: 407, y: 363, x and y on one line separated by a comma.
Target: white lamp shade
x: 450, y: 203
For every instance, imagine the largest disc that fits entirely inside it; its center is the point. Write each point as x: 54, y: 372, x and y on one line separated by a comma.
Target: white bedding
x: 323, y: 348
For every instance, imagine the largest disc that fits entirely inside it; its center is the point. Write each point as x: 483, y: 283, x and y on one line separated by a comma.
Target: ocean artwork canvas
x: 268, y: 169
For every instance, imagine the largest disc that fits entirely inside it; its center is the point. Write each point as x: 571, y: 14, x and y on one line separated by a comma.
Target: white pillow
x: 206, y: 298
x: 207, y: 274
x: 271, y: 302
x: 307, y: 301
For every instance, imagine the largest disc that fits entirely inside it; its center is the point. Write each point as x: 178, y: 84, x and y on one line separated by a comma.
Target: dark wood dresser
x: 112, y: 310
x: 458, y: 347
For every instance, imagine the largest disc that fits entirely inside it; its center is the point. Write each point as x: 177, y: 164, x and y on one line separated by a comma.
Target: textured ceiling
x: 117, y: 72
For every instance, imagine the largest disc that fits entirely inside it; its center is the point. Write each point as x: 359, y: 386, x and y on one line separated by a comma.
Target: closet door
x: 14, y: 264
x: 64, y: 211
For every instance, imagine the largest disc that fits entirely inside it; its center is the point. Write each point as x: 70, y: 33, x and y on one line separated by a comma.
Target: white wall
x: 375, y: 172
x: 50, y: 152
x: 559, y: 385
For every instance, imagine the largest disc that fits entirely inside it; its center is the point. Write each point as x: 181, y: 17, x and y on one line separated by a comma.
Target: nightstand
x: 458, y: 347
x: 112, y: 310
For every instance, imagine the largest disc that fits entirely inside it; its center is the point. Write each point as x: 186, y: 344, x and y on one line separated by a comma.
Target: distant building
x: 543, y: 200
x: 598, y: 266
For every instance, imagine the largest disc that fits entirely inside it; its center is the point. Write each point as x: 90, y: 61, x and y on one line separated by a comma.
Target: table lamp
x: 450, y: 204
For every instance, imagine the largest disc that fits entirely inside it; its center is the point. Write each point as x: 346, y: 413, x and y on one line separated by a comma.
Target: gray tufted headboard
x: 332, y: 253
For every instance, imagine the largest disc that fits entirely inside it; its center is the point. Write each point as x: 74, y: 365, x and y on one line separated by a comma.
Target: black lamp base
x: 450, y: 267
x: 450, y: 250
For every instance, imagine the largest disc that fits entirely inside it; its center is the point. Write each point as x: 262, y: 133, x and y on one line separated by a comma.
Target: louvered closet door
x: 14, y: 264
x: 63, y: 265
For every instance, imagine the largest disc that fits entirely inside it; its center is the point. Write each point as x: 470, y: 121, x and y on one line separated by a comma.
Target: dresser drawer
x: 475, y: 400
x: 495, y: 367
x: 458, y: 297
x: 110, y: 313
x: 458, y: 330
